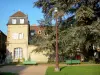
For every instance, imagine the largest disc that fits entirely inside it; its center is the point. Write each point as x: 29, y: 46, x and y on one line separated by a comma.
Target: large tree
x: 81, y: 32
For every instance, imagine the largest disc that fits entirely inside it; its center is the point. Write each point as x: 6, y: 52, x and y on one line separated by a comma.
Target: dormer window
x: 39, y: 32
x: 32, y: 32
x: 18, y: 18
x: 21, y: 21
x: 13, y: 21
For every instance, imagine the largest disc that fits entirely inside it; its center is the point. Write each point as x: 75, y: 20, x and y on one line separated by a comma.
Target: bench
x: 72, y: 61
x: 29, y: 63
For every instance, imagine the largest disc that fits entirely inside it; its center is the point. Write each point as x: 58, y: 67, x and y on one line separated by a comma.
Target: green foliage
x: 84, y: 31
x: 29, y: 59
x: 19, y: 60
x: 77, y: 36
x: 52, y: 3
x: 37, y: 40
x: 83, y: 15
x: 23, y: 59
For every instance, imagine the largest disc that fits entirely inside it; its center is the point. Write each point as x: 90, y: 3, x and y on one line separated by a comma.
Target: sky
x: 9, y: 7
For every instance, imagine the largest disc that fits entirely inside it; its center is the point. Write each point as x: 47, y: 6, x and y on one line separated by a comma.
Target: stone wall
x: 39, y: 57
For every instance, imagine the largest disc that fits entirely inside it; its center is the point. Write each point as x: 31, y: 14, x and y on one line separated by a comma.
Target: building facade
x: 2, y: 46
x: 18, y: 39
x: 38, y: 30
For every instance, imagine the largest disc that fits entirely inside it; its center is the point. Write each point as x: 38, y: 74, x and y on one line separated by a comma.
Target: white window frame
x: 14, y: 21
x: 18, y: 53
x: 22, y: 21
x: 21, y: 36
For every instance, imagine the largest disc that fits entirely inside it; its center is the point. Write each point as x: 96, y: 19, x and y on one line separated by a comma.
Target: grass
x: 75, y: 70
x: 7, y: 73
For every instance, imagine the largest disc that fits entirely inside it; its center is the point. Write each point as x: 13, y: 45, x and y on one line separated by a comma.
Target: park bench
x: 29, y: 63
x: 72, y: 61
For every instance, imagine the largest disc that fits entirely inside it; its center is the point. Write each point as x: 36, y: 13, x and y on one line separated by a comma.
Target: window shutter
x: 21, y: 35
x: 15, y: 35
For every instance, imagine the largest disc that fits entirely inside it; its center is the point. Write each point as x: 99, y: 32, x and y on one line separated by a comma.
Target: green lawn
x: 75, y: 70
x: 7, y: 73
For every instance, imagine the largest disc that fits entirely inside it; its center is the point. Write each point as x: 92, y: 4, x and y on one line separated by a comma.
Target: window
x: 21, y: 35
x: 39, y: 32
x: 13, y: 21
x: 15, y: 35
x: 18, y: 53
x: 32, y: 32
x: 45, y: 33
x: 21, y: 21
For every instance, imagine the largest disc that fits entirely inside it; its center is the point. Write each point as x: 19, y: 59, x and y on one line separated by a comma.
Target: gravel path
x: 25, y: 70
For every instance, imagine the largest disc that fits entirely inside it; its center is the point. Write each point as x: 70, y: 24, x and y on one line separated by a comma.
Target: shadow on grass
x: 62, y: 68
x: 30, y: 64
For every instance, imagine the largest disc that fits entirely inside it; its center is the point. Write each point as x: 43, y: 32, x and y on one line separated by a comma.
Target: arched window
x: 18, y: 53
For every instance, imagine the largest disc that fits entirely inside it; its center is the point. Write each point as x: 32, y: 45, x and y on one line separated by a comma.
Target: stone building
x: 18, y: 39
x: 2, y: 46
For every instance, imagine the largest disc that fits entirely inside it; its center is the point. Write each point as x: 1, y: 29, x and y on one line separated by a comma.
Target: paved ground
x: 33, y: 70
x: 25, y: 70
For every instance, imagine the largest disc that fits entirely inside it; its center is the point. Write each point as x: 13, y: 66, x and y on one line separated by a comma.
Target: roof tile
x: 19, y: 14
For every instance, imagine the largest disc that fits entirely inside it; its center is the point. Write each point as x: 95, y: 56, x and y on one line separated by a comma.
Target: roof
x: 19, y: 14
x: 2, y: 33
x: 36, y: 28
